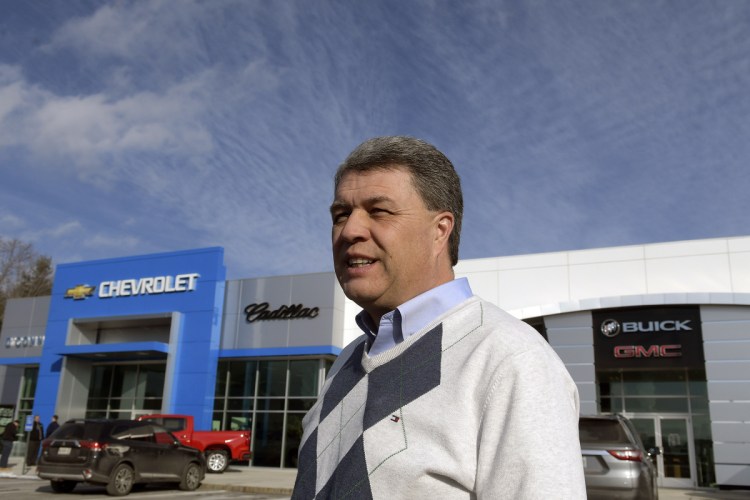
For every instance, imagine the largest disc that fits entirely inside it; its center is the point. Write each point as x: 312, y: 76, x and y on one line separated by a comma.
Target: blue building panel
x: 188, y: 285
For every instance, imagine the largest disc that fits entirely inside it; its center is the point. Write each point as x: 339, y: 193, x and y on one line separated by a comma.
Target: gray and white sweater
x: 476, y: 405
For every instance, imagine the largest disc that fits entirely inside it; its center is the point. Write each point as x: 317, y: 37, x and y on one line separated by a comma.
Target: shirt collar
x: 413, y: 315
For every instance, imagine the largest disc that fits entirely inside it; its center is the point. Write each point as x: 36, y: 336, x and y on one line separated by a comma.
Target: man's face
x: 386, y: 243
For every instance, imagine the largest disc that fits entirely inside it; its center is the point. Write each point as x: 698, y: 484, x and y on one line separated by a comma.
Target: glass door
x: 125, y: 390
x: 676, y: 457
x: 673, y: 436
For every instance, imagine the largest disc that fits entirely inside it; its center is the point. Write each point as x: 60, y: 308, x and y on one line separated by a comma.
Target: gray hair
x: 431, y: 171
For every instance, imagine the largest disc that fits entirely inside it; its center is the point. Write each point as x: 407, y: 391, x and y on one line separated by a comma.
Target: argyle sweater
x: 476, y: 405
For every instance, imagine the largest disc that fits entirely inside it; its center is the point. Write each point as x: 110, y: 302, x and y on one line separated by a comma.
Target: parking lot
x: 245, y: 482
x: 36, y: 488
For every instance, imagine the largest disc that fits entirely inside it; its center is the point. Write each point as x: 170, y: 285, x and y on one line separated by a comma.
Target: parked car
x: 615, y: 464
x: 118, y: 454
x: 219, y: 447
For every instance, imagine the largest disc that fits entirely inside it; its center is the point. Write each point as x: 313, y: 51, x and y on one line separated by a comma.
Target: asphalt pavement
x: 273, y: 481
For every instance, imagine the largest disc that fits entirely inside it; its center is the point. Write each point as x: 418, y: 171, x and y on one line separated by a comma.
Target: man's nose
x: 356, y: 227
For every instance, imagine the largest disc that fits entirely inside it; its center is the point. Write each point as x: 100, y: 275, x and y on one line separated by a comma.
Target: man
x: 35, y: 438
x: 445, y: 395
x: 8, y: 438
x: 52, y: 426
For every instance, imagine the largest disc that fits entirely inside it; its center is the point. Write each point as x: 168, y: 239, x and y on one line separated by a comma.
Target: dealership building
x: 658, y: 332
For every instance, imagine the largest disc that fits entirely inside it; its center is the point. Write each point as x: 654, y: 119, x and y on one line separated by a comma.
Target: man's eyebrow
x: 368, y: 202
x: 338, y: 205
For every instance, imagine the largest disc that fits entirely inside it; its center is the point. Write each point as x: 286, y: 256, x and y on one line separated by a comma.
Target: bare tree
x: 23, y: 273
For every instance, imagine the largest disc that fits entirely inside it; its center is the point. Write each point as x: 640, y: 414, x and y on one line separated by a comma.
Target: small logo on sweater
x: 394, y: 418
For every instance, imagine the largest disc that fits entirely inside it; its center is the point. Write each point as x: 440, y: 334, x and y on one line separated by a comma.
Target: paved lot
x: 670, y: 494
x: 255, y: 483
x: 37, y: 489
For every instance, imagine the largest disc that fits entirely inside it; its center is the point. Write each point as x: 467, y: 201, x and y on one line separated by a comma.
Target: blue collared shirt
x: 413, y: 315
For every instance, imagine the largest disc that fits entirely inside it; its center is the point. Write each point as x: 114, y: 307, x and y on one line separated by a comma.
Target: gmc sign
x: 652, y: 351
x: 647, y: 337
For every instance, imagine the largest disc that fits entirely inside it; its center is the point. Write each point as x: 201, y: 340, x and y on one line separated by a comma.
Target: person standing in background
x: 8, y: 438
x: 35, y: 438
x: 52, y: 427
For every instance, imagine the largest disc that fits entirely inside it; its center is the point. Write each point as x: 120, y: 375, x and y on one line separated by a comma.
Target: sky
x: 135, y: 127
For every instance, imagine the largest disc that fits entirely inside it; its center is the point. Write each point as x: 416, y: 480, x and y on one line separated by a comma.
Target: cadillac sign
x: 263, y: 312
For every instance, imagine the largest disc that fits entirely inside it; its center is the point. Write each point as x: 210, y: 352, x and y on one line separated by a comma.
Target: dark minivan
x: 118, y: 454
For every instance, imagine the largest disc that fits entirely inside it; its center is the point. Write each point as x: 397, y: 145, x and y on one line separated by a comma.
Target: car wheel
x: 217, y: 461
x: 191, y: 478
x: 63, y: 486
x: 121, y: 481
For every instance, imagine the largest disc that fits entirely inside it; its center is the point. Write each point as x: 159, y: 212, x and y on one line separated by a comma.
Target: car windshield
x: 592, y: 430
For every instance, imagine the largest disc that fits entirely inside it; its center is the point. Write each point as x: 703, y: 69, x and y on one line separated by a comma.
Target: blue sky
x: 149, y: 126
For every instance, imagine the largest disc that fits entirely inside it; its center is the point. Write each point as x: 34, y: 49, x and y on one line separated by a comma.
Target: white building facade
x: 691, y: 393
x: 658, y: 332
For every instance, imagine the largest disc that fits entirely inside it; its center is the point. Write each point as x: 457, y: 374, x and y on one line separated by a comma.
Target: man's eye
x: 339, y: 217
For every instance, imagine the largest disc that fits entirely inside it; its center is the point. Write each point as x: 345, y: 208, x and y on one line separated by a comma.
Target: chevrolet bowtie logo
x: 79, y: 292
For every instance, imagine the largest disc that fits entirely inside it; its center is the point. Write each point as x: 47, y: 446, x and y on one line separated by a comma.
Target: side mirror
x: 652, y: 452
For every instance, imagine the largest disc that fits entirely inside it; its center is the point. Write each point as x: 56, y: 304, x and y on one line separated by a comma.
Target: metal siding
x: 575, y: 354
x: 580, y: 336
x: 586, y: 391
x: 315, y: 290
x: 732, y: 453
x: 729, y: 390
x: 733, y: 474
x: 584, y: 372
x: 731, y: 432
x: 730, y: 412
x: 727, y: 351
x: 727, y: 370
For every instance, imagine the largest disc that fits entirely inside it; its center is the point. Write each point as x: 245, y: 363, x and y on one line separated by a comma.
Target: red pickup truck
x: 219, y: 447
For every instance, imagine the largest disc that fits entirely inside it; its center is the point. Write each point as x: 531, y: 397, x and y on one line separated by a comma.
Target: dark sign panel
x: 648, y: 337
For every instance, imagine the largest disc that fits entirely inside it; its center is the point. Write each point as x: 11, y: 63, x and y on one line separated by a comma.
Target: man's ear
x: 444, y: 222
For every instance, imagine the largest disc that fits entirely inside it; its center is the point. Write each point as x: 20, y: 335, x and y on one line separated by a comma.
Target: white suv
x: 615, y: 463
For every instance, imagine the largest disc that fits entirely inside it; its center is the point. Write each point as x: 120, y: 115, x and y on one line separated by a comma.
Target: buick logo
x: 610, y: 328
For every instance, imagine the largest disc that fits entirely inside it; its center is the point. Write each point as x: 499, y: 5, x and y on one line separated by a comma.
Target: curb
x: 264, y: 490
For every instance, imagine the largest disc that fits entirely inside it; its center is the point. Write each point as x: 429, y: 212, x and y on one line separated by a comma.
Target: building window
x: 269, y: 397
x: 664, y: 394
x: 26, y: 396
x: 125, y: 390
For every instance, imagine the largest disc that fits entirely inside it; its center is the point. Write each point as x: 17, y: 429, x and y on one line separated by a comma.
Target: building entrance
x: 670, y: 410
x: 674, y: 437
x: 125, y: 390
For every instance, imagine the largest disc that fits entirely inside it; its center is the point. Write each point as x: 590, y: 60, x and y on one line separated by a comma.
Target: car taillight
x: 630, y: 455
x: 93, y: 445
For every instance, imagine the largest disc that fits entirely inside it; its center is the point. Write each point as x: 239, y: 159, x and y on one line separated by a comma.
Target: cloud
x: 10, y: 223
x: 110, y: 242
x: 65, y: 229
x: 123, y: 30
x: 87, y: 131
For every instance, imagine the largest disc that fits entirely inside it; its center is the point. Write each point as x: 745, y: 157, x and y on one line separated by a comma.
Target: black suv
x: 118, y: 454
x: 615, y: 464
